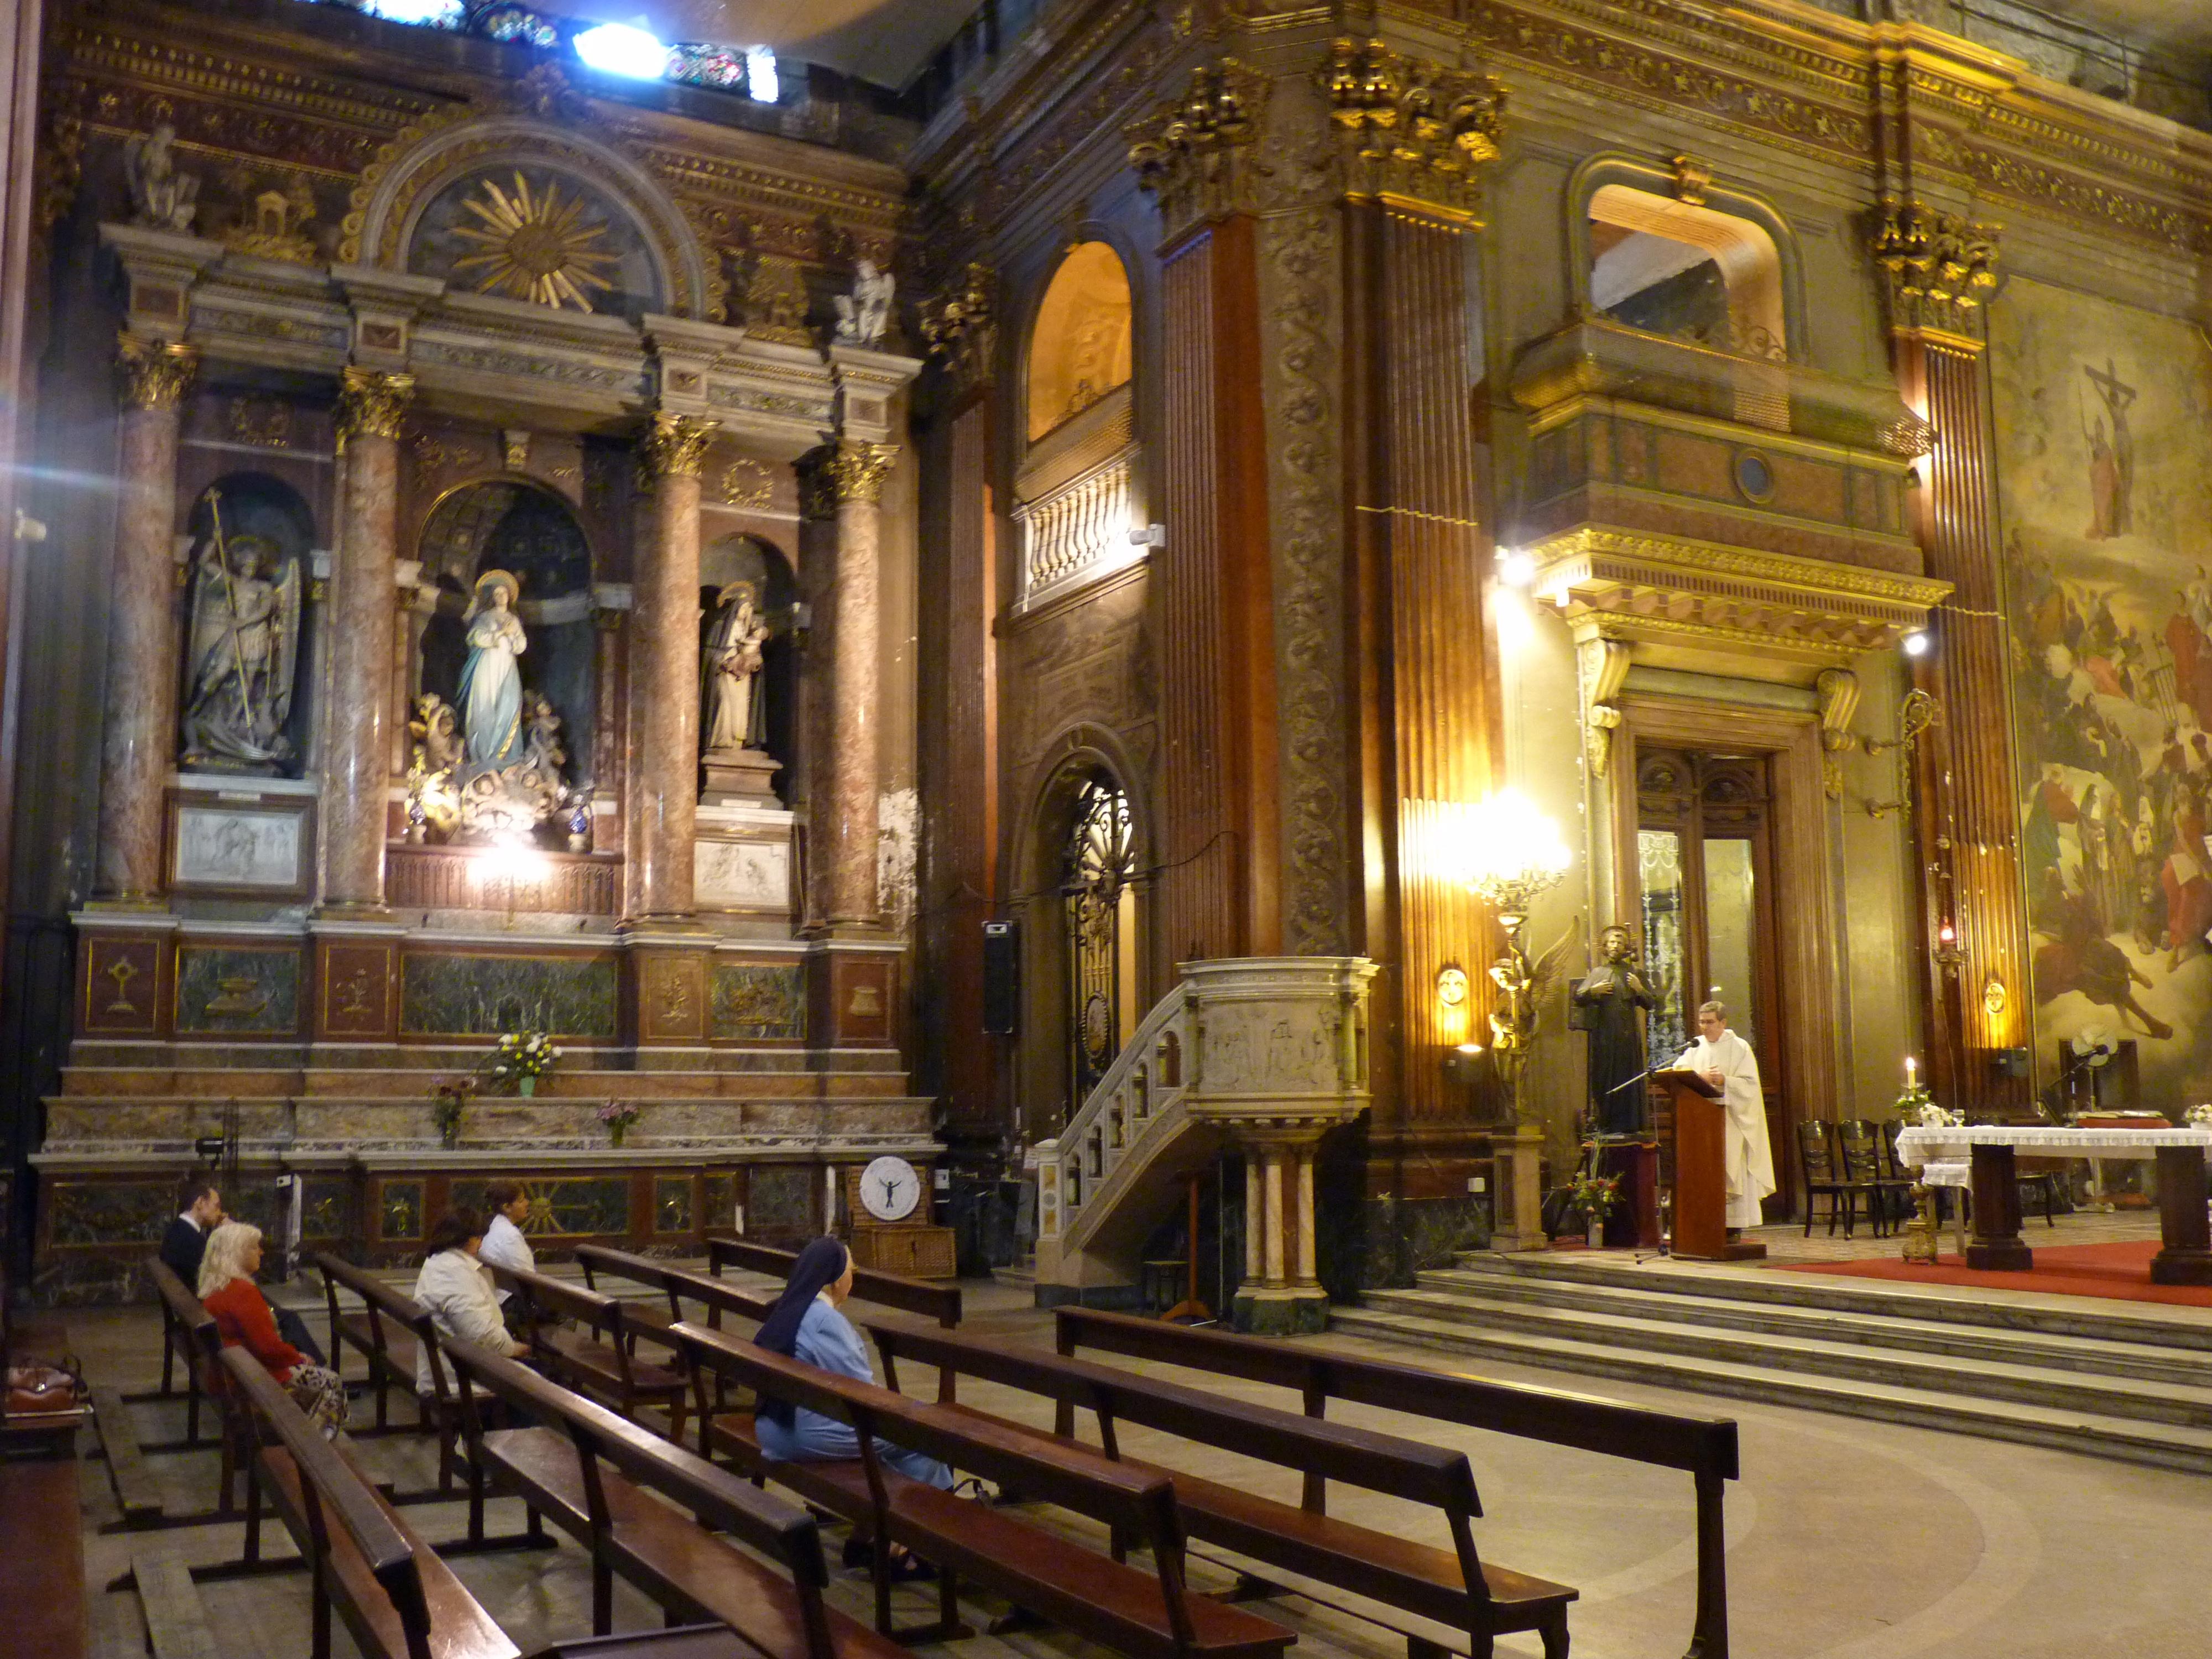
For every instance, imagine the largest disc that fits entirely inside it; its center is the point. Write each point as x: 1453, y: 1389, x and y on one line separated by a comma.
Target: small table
x: 2184, y: 1229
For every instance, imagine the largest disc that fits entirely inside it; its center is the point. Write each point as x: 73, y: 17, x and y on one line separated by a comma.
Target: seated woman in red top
x: 241, y: 1313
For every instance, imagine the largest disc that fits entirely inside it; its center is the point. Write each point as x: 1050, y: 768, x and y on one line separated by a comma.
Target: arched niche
x: 1081, y: 345
x: 1676, y: 267
x: 750, y: 559
x: 257, y: 508
x: 503, y: 525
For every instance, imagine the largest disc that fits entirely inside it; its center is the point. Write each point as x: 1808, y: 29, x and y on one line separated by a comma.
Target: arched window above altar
x: 1080, y: 349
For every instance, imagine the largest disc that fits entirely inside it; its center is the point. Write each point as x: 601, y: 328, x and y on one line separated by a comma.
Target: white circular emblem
x: 890, y: 1188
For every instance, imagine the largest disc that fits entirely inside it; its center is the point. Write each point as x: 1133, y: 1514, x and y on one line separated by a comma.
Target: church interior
x: 1426, y: 783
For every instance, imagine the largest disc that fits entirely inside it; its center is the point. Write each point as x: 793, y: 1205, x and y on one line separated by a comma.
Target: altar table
x: 2184, y: 1230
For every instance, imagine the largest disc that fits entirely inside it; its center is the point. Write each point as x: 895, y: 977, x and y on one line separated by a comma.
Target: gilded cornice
x: 1193, y: 155
x: 153, y: 374
x: 1940, y: 267
x: 1409, y: 127
x: 673, y: 447
x: 372, y: 405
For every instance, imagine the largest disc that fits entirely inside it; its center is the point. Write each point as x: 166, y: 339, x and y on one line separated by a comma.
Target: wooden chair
x: 1817, y: 1166
x: 1856, y: 1146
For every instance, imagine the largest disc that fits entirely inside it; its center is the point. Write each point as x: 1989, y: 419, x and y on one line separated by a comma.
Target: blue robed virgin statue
x: 490, y: 690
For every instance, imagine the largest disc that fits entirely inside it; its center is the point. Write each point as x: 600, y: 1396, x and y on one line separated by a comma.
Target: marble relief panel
x: 744, y: 875
x: 237, y: 990
x: 241, y: 848
x: 758, y: 1002
x: 455, y: 995
x: 784, y: 1199
x: 109, y: 1212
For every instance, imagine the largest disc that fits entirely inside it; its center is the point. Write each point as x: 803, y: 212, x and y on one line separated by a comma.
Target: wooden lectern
x: 1700, y: 1171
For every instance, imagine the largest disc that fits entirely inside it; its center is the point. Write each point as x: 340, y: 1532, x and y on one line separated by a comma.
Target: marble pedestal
x: 741, y: 777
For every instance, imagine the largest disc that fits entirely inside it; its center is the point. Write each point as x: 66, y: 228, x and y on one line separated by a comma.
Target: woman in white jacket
x: 455, y: 1290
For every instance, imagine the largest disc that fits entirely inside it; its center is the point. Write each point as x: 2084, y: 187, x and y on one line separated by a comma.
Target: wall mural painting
x: 2105, y: 439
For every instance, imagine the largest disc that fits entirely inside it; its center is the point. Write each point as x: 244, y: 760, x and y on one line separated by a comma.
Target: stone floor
x: 1848, y: 1540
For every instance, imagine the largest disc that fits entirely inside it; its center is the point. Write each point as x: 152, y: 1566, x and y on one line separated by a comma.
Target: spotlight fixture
x: 1516, y: 567
x: 619, y: 49
x: 1916, y: 643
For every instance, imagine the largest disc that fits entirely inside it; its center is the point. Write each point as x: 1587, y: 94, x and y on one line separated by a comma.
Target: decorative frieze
x: 372, y: 404
x: 1195, y: 155
x: 153, y: 374
x: 1939, y: 267
x: 1412, y: 128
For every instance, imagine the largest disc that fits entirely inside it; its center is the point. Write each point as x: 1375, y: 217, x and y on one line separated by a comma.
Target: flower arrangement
x: 1595, y: 1195
x: 451, y: 1097
x: 523, y: 1057
x: 618, y: 1115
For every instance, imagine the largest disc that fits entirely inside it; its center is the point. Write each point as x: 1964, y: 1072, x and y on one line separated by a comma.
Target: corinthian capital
x: 1193, y: 155
x: 372, y: 404
x: 153, y: 374
x: 1410, y: 127
x: 673, y: 447
x: 1939, y: 267
x: 849, y: 470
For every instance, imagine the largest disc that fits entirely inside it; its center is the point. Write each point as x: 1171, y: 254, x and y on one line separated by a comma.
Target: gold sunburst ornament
x: 535, y: 246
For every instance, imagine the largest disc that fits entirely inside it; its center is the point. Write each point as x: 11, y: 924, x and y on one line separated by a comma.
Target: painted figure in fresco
x: 2079, y: 958
x: 245, y: 642
x: 731, y: 671
x: 1610, y: 1004
x: 490, y: 691
x: 2112, y: 458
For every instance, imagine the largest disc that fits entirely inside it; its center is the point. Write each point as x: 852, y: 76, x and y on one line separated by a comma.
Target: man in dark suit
x: 185, y: 1243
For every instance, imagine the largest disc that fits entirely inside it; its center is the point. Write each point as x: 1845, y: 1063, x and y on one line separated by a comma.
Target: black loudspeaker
x: 1002, y: 979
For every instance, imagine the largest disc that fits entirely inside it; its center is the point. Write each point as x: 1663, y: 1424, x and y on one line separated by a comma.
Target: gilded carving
x: 1412, y: 128
x: 155, y: 374
x: 851, y: 471
x: 1838, y: 693
x: 1605, y: 663
x: 59, y: 167
x: 746, y: 483
x: 372, y: 404
x: 1193, y: 155
x: 673, y: 447
x: 263, y: 422
x: 959, y: 326
x: 275, y: 228
x: 1939, y: 266
x: 775, y: 301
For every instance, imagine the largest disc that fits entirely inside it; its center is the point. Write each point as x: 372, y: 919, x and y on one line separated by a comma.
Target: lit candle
x: 1908, y: 1073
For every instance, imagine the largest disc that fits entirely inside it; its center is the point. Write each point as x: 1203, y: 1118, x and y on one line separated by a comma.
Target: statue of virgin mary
x: 490, y: 690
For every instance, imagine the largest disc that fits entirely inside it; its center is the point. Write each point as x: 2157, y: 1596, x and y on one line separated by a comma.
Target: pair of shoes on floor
x: 906, y: 1566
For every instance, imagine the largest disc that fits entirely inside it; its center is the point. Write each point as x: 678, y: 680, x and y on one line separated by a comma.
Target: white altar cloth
x: 1918, y: 1145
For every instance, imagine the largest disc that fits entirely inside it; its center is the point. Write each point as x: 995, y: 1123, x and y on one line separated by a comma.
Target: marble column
x: 1274, y: 1217
x: 357, y: 756
x: 664, y: 668
x: 138, y: 738
x: 850, y: 479
x: 1308, y: 1273
x: 1255, y: 1220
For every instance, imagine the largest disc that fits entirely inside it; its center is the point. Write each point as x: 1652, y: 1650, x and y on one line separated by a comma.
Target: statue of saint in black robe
x: 1607, y: 1006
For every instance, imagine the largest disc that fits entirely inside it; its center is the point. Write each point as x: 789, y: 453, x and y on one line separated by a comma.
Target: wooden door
x: 1705, y: 851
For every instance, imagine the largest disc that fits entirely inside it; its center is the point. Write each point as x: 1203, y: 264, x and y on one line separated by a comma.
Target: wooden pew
x: 181, y: 1343
x: 41, y: 1560
x: 1453, y: 1587
x: 1144, y: 1615
x: 397, y: 1598
x: 386, y: 1342
x: 1703, y: 1447
x: 917, y: 1295
x: 194, y: 1327
x: 595, y: 1476
x: 606, y: 1370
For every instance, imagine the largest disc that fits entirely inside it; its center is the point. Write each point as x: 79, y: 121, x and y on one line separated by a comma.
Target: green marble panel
x: 758, y: 1002
x: 484, y: 996
x: 721, y: 1200
x: 672, y: 1204
x: 109, y: 1213
x: 226, y: 990
x: 403, y: 1209
x: 561, y: 1206
x: 784, y: 1197
x: 325, y: 1208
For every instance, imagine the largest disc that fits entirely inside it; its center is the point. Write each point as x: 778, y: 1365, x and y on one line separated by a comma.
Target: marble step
x: 1993, y: 1376
x: 2141, y: 1360
x: 99, y: 1083
x: 2094, y: 1434
x: 2120, y: 1322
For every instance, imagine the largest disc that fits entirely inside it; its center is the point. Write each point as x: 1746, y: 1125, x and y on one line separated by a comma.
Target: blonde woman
x: 241, y: 1314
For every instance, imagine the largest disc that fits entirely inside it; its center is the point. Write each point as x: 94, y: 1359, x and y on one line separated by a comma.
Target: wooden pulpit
x: 1700, y: 1171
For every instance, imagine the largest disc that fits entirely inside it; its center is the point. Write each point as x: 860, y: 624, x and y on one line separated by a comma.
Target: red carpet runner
x: 2119, y: 1273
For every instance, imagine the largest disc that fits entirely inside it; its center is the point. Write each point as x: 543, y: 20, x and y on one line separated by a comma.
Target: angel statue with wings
x: 245, y: 643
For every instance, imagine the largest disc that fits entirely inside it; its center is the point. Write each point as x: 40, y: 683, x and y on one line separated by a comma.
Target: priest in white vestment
x: 1725, y: 1060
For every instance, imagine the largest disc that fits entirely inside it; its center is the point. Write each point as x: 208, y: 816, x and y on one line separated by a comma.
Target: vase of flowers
x: 522, y: 1058
x: 450, y: 1100
x: 618, y: 1115
x: 1596, y: 1196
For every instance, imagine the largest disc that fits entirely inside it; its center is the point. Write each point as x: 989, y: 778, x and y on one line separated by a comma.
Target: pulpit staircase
x: 2127, y: 1381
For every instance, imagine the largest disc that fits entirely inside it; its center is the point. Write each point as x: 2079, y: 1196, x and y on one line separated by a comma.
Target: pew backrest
x: 1142, y: 1505
x: 721, y: 1499
x: 331, y: 1490
x: 916, y: 1296
x: 717, y: 1296
x: 182, y: 1312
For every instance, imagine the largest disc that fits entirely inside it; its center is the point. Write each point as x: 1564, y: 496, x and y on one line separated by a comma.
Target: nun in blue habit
x: 805, y: 1323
